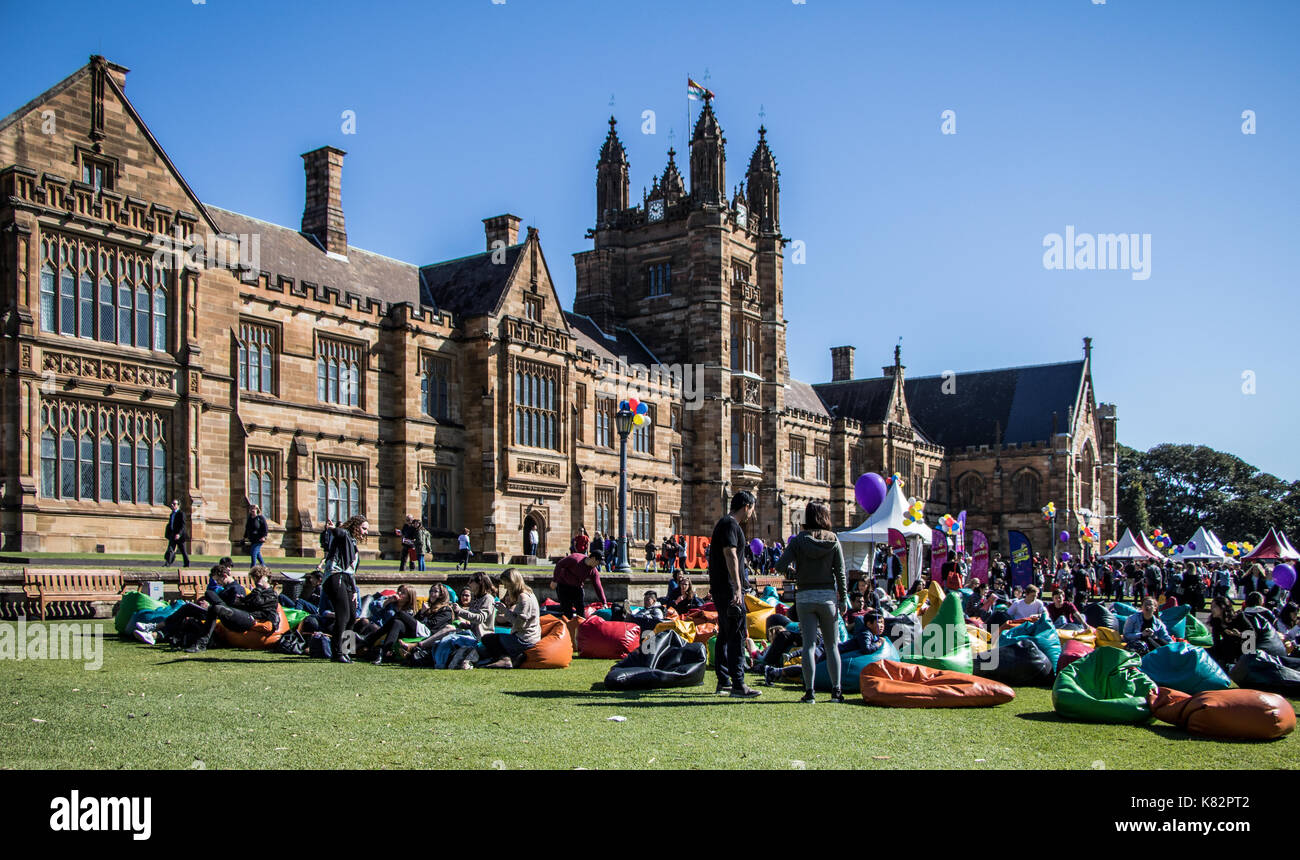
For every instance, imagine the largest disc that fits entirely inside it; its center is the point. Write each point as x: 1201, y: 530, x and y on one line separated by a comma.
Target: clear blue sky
x: 1122, y: 117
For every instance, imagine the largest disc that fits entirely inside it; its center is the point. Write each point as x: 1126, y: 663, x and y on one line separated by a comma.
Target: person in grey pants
x: 821, y: 591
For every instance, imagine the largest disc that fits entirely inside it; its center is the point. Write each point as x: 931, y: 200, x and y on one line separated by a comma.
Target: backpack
x: 321, y: 646
x: 292, y: 643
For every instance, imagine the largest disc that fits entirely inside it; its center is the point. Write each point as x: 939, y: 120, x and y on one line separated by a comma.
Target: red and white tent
x: 1274, y: 547
x: 1131, y: 547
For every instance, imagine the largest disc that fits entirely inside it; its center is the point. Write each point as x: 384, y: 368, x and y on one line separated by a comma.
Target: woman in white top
x: 1027, y: 606
x: 519, y: 607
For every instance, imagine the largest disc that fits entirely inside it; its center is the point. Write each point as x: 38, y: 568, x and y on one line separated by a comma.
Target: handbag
x: 292, y: 643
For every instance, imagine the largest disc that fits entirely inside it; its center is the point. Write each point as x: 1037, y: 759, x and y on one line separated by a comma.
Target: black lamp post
x: 623, y: 423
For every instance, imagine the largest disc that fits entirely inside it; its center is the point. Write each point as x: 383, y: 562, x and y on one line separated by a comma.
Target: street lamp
x: 631, y: 412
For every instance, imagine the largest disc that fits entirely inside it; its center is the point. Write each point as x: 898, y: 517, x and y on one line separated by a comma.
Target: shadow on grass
x: 210, y: 659
x: 1174, y: 733
x: 600, y: 697
x: 1045, y: 717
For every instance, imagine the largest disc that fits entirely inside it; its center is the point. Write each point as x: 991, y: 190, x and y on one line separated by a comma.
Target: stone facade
x: 284, y: 368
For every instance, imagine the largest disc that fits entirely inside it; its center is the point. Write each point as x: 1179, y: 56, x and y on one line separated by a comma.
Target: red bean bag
x: 554, y: 651
x: 911, y: 685
x: 1071, y: 650
x: 1236, y: 714
x: 607, y: 640
x: 263, y: 634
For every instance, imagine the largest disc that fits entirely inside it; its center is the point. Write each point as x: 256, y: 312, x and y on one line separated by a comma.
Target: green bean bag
x: 295, y: 617
x: 1186, y: 667
x: 131, y: 603
x: 1197, y: 633
x: 1107, y: 686
x: 1044, y: 634
x: 851, y: 666
x: 907, y: 606
x: 944, y: 642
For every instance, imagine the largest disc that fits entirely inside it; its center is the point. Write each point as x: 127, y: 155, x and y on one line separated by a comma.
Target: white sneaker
x: 145, y: 636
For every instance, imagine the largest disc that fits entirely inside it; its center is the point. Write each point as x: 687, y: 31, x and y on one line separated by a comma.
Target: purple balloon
x: 1178, y: 548
x: 1191, y: 544
x: 1064, y: 536
x: 757, y: 546
x: 1284, y: 576
x: 870, y: 492
x: 1065, y: 556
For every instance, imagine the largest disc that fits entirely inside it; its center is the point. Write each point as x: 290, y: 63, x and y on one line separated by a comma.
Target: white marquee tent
x: 860, y: 543
x: 1129, y: 547
x: 1208, y: 548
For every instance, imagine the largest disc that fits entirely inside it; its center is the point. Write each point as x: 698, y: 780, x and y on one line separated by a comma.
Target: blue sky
x: 1116, y: 117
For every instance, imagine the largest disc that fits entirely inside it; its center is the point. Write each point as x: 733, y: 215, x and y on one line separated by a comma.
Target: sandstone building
x: 281, y: 366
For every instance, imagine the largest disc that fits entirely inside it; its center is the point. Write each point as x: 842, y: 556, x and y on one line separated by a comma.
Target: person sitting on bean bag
x: 308, y: 599
x: 1144, y: 630
x: 1060, y: 608
x: 650, y: 613
x: 869, y: 638
x: 437, y: 618
x: 260, y: 604
x: 1027, y: 606
x: 686, y: 599
x: 519, y: 608
x: 1227, y: 631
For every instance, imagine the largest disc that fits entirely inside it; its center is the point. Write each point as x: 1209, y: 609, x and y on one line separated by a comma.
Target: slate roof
x: 802, y: 396
x: 609, y: 346
x: 469, y: 286
x: 285, y: 251
x: 1022, y: 399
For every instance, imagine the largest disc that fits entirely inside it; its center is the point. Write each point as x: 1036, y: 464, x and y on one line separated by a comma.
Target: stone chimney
x: 502, y: 227
x: 322, y: 215
x: 842, y: 363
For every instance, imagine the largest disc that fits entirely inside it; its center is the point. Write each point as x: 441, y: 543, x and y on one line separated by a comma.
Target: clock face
x: 656, y: 210
x: 742, y: 214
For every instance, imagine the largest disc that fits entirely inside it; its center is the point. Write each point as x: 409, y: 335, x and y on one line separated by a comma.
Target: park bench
x: 71, y: 586
x: 194, y: 584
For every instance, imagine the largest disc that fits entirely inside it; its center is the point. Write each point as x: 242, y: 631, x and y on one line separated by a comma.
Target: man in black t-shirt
x: 727, y: 581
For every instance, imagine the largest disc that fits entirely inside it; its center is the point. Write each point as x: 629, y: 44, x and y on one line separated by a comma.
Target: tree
x: 1132, y: 497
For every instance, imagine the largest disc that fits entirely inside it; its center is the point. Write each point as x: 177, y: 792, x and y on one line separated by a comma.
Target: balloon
x: 622, y: 406
x: 870, y: 492
x: 638, y: 419
x: 1284, y: 576
x: 1191, y: 544
x: 757, y: 546
x: 632, y: 404
x: 1156, y: 533
x: 1065, y: 556
x: 642, y: 409
x: 1065, y: 537
x: 1178, y: 548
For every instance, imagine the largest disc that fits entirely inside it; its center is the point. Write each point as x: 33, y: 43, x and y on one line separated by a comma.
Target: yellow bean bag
x: 935, y: 595
x: 1106, y: 636
x: 753, y: 604
x: 756, y: 622
x: 980, y: 639
x: 680, y: 626
x: 1087, y: 637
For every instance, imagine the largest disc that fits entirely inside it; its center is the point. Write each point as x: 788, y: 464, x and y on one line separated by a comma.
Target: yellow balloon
x: 638, y: 420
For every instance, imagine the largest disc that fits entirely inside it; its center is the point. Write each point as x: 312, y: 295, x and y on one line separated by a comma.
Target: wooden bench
x: 71, y: 586
x: 194, y: 584
x: 783, y: 587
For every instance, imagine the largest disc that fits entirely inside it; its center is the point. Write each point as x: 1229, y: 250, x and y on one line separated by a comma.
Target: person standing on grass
x: 571, y: 573
x: 462, y: 544
x: 409, y: 533
x: 727, y: 583
x: 176, y: 535
x: 822, y: 591
x: 424, y: 545
x: 255, y: 532
x: 340, y: 586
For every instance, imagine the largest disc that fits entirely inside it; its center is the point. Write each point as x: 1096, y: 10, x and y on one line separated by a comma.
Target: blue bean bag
x: 851, y: 665
x: 153, y: 616
x: 1044, y: 634
x: 1123, y: 610
x: 1184, y: 667
x: 1175, y: 618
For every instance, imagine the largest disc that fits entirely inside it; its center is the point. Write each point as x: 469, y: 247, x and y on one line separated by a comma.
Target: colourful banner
x: 961, y: 535
x: 938, y: 551
x: 1022, y: 559
x: 898, y: 546
x: 979, y: 551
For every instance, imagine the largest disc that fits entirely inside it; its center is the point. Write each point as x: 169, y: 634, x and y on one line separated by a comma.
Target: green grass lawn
x: 203, y: 562
x: 154, y: 708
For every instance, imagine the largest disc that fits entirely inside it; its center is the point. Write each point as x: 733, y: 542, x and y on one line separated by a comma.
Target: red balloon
x: 632, y: 403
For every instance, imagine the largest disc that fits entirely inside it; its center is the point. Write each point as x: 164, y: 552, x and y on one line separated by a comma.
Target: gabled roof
x: 469, y: 286
x: 803, y: 397
x: 620, y: 344
x: 1020, y: 399
x: 299, y: 256
x: 865, y: 400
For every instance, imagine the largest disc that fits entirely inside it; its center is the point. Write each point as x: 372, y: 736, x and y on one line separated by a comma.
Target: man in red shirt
x: 581, y: 542
x: 570, y: 574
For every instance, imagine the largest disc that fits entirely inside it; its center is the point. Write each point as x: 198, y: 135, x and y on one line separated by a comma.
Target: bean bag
x: 598, y: 609
x: 934, y: 594
x: 905, y: 685
x: 154, y: 616
x: 131, y: 603
x: 1109, y: 638
x: 665, y: 660
x: 980, y: 639
x: 553, y: 650
x: 1267, y: 639
x: 704, y: 631
x: 1175, y: 618
x: 903, y: 630
x: 1232, y: 714
x: 1042, y: 632
x: 1197, y: 633
x: 1107, y: 686
x: 907, y: 606
x: 1098, y: 615
x: 263, y: 634
x: 1071, y: 650
x: 1261, y: 671
x: 944, y: 643
x: 756, y: 612
x: 683, y: 628
x: 295, y: 617
x: 601, y: 639
x: 572, y: 624
x: 851, y: 666
x: 1017, y: 663
x: 1123, y: 610
x: 1185, y: 667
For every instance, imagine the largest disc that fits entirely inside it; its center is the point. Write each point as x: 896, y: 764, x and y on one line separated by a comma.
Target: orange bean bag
x: 572, y: 625
x: 554, y: 651
x: 911, y: 685
x: 263, y: 634
x: 1237, y: 714
x: 704, y: 631
x: 607, y: 640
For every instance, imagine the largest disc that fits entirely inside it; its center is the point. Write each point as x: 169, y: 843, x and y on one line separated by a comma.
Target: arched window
x: 970, y: 492
x: 159, y: 469
x: 125, y: 292
x: 87, y: 464
x: 354, y: 498
x: 334, y: 500
x: 142, y: 304
x: 141, y: 464
x: 68, y: 302
x: 49, y: 462
x: 1025, y: 486
x: 105, y: 458
x: 67, y: 463
x: 47, y: 288
x: 125, y: 460
x: 87, y: 299
x: 107, y: 311
x: 160, y: 318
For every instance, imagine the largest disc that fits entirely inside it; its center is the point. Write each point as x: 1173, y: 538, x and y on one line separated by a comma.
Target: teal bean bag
x: 1106, y: 686
x: 1044, y: 634
x: 1123, y: 610
x: 851, y: 666
x: 153, y: 616
x: 1175, y: 618
x: 131, y: 603
x: 944, y: 642
x: 1184, y: 667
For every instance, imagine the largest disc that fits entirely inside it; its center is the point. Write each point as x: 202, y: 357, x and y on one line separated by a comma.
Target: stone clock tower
x: 697, y: 279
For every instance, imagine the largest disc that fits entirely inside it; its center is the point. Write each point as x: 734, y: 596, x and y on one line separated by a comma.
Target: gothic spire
x: 764, y: 186
x: 708, y: 160
x: 672, y: 183
x: 611, y: 177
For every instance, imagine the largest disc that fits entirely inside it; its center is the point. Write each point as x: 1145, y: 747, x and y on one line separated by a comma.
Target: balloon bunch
x: 1110, y: 544
x: 949, y: 525
x: 1238, y: 549
x: 915, y: 512
x: 895, y: 478
x: 1089, y: 535
x: 1163, y: 541
x: 641, y: 412
x: 1049, y: 511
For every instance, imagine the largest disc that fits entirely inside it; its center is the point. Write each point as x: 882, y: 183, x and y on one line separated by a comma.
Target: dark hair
x: 817, y: 515
x: 218, y: 570
x: 743, y: 499
x: 484, y: 582
x: 596, y: 554
x: 226, y: 562
x: 1254, y: 599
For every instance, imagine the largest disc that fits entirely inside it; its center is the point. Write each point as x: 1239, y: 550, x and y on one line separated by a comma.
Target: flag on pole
x: 695, y: 91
